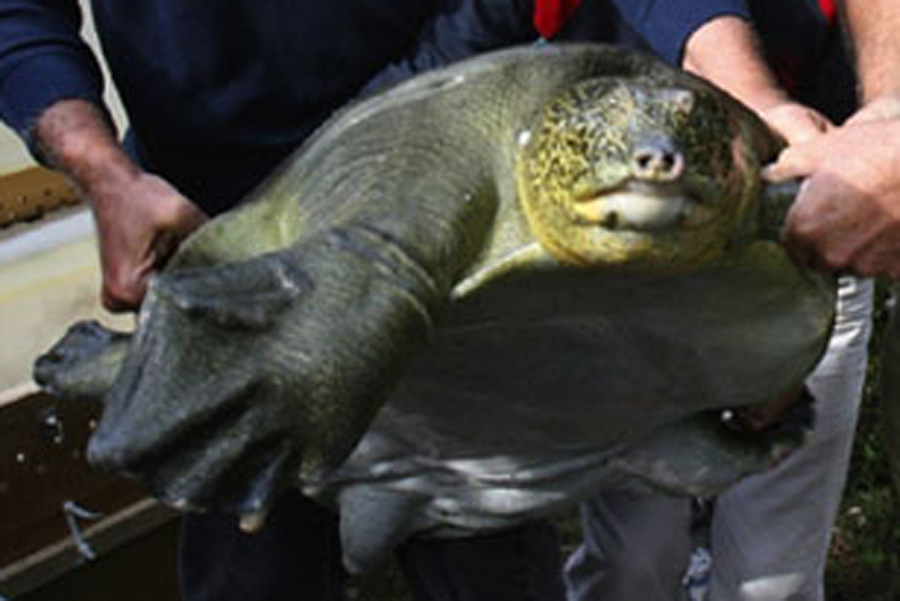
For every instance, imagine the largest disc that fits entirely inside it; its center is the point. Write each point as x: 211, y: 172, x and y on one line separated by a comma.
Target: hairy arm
x: 51, y: 94
x: 874, y: 27
x: 727, y: 51
x: 847, y: 215
x: 140, y: 218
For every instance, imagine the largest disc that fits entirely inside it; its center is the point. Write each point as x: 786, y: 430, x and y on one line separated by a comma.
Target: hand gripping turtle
x: 470, y: 300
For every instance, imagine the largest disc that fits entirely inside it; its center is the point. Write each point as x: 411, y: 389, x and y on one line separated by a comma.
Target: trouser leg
x: 295, y: 557
x: 519, y: 564
x: 771, y: 532
x: 635, y: 546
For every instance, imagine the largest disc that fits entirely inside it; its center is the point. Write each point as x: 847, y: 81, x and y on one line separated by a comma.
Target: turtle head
x: 636, y: 174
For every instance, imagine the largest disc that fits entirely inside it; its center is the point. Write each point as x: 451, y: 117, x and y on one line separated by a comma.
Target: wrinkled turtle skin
x: 550, y: 269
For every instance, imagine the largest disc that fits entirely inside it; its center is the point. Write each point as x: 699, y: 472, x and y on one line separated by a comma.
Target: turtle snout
x: 657, y: 160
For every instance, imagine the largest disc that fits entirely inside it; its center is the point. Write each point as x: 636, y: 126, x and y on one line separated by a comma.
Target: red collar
x: 829, y: 9
x: 549, y: 15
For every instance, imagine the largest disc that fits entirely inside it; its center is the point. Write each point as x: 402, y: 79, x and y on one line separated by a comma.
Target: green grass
x: 864, y: 563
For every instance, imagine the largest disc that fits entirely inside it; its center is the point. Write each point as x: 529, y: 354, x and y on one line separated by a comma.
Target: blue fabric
x: 666, y: 25
x: 217, y: 93
x: 42, y: 59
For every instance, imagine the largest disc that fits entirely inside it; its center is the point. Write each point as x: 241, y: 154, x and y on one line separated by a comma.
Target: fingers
x: 123, y: 292
x: 794, y: 162
x: 847, y: 214
x: 796, y: 123
x: 137, y: 243
x: 126, y: 276
x: 801, y: 127
x: 816, y: 233
x: 836, y: 227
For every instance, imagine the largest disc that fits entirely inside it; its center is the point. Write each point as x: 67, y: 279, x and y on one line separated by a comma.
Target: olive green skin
x: 584, y: 148
x: 457, y: 252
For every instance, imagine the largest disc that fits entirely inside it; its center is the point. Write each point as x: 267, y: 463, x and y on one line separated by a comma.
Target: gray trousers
x: 770, y: 533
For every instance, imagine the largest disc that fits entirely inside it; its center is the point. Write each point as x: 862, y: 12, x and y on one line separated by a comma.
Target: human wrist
x: 881, y: 108
x: 76, y: 138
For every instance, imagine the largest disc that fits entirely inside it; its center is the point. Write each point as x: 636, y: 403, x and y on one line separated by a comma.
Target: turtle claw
x: 253, y: 522
x: 83, y: 364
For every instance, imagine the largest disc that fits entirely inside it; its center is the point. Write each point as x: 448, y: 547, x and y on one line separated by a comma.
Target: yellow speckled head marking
x: 632, y: 174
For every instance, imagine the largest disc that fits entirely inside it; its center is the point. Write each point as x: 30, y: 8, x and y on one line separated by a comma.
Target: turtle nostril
x: 644, y: 160
x: 658, y: 163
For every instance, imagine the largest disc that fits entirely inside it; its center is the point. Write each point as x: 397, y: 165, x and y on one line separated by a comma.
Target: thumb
x: 794, y: 162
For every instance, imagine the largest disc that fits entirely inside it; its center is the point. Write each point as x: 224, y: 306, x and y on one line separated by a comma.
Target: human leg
x: 635, y: 546
x: 518, y: 564
x: 770, y: 533
x: 295, y: 556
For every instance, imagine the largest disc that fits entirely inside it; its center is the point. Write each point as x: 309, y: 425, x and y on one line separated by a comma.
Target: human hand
x: 726, y: 51
x: 141, y: 219
x: 880, y: 109
x: 847, y: 215
x: 795, y: 122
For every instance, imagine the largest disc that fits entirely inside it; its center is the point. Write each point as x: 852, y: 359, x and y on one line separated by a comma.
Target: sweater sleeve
x: 43, y: 60
x: 666, y: 25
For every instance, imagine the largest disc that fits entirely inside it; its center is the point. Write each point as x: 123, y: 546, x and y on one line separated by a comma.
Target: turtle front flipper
x: 245, y: 378
x: 704, y: 454
x: 84, y: 363
x: 373, y: 522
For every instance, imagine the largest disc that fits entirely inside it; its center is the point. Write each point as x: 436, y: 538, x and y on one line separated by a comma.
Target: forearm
x: 76, y: 137
x: 874, y: 28
x: 727, y: 52
x: 140, y: 218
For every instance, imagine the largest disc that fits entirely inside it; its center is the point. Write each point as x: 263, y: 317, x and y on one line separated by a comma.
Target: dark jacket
x: 217, y: 93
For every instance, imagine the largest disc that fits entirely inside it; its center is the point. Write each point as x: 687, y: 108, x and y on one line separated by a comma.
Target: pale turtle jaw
x: 642, y: 208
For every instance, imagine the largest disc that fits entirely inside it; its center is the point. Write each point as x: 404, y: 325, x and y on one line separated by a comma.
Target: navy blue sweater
x: 217, y: 93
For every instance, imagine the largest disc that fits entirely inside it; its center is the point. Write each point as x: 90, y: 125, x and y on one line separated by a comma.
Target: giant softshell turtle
x: 550, y: 269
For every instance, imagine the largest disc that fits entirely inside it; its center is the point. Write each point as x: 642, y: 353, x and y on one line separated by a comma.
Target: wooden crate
x: 63, y: 525
x: 62, y: 515
x: 32, y: 193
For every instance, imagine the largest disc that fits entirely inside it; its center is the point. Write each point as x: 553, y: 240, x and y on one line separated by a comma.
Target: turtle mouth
x: 642, y: 207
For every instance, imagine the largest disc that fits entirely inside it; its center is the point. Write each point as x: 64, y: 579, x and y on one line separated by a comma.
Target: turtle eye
x: 678, y: 100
